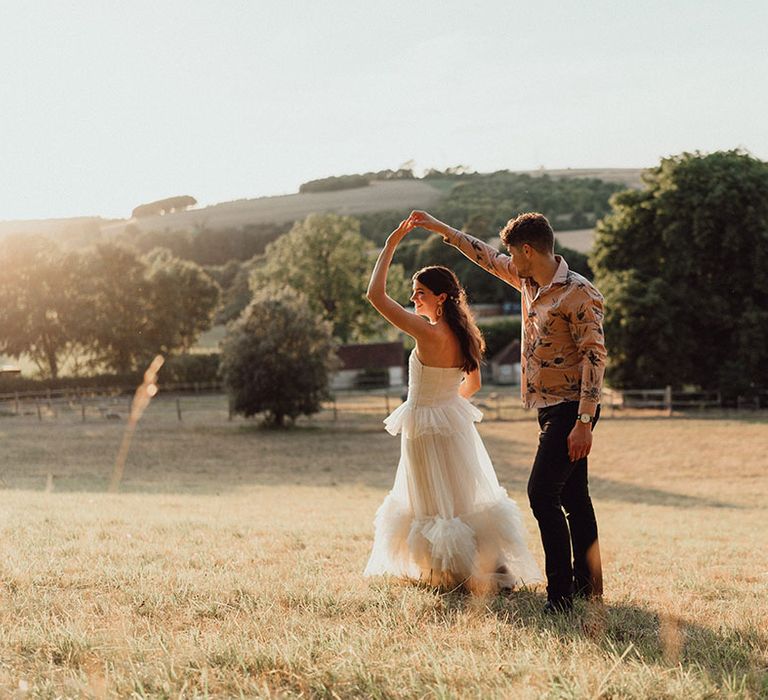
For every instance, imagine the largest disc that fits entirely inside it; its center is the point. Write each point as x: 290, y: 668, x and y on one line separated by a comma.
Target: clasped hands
x: 417, y: 219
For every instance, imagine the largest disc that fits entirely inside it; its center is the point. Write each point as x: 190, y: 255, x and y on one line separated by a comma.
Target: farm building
x: 369, y: 365
x: 505, y: 364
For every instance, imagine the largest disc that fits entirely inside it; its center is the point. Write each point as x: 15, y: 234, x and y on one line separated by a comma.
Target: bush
x: 277, y: 358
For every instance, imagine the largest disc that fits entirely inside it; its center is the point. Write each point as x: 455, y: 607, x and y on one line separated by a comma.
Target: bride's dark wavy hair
x: 439, y: 280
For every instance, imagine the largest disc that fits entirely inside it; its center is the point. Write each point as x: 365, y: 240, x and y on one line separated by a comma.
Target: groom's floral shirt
x: 562, y: 354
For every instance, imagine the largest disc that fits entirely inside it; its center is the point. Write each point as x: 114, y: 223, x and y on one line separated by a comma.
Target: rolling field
x: 379, y: 196
x: 229, y: 565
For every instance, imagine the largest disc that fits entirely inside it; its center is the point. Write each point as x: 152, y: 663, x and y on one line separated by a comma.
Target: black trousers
x: 558, y: 489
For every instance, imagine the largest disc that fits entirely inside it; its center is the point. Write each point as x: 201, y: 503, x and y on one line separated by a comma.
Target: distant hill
x: 378, y: 197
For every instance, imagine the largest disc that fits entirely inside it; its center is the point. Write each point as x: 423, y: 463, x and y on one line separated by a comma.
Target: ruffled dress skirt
x: 447, y: 522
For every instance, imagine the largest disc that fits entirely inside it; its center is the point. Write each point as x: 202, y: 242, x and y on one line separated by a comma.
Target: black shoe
x: 583, y: 588
x: 558, y: 606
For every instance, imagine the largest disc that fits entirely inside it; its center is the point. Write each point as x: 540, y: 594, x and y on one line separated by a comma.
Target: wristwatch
x: 584, y: 418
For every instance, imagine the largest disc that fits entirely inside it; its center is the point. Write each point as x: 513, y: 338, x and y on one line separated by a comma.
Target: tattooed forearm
x: 486, y: 256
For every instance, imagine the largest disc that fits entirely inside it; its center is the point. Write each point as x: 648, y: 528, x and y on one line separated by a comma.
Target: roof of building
x: 371, y: 355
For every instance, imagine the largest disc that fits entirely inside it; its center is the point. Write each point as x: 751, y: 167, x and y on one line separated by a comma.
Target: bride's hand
x: 402, y: 229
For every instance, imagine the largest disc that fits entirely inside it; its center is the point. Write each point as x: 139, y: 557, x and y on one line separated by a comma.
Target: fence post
x: 82, y: 408
x: 335, y: 410
x: 16, y: 402
x: 668, y: 399
x: 39, y: 413
x: 386, y: 399
x: 178, y: 408
x: 230, y: 410
x: 495, y: 398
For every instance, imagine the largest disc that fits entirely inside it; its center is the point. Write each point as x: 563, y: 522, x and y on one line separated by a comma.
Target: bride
x: 446, y: 521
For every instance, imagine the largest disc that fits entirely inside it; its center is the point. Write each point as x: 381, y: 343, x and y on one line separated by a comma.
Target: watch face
x: 584, y: 418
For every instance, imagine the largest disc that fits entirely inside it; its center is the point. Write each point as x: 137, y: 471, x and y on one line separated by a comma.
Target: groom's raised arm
x: 479, y: 252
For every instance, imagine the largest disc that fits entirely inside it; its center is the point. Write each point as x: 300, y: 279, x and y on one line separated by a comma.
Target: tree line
x: 106, y: 308
x: 164, y: 206
x: 349, y: 182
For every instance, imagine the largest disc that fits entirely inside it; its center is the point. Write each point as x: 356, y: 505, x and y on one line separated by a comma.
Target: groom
x: 562, y: 363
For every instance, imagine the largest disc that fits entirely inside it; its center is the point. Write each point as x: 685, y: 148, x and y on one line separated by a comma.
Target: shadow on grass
x: 612, y: 490
x: 730, y: 658
x: 623, y: 492
x: 717, y: 414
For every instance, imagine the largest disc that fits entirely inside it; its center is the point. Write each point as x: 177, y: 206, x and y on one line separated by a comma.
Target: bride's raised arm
x: 408, y: 322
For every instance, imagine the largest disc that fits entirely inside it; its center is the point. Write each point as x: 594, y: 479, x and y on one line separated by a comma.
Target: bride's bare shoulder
x: 440, y: 347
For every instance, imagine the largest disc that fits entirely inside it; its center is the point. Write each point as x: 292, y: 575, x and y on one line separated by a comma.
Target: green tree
x: 141, y: 306
x: 326, y: 259
x: 277, y: 357
x: 119, y: 332
x: 182, y: 300
x: 682, y: 266
x: 41, y: 310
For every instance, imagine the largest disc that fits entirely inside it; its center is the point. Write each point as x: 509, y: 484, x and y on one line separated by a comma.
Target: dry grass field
x: 230, y: 566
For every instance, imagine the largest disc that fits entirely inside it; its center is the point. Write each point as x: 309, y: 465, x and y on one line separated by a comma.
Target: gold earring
x: 439, y: 310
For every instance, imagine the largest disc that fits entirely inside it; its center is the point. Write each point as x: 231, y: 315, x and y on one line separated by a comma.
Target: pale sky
x: 105, y: 104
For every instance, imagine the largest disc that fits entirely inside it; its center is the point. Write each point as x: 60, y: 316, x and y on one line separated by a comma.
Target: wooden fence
x: 111, y: 402
x: 176, y: 401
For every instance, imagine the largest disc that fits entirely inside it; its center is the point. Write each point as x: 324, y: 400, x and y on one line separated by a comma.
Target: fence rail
x: 77, y: 392
x: 182, y: 400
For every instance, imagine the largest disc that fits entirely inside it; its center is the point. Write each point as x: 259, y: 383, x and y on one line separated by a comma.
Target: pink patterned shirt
x: 562, y: 356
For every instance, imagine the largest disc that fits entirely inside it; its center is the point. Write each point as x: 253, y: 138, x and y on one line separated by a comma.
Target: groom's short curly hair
x: 531, y: 228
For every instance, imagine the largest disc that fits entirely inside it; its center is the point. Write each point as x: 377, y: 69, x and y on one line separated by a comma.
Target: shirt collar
x: 560, y: 276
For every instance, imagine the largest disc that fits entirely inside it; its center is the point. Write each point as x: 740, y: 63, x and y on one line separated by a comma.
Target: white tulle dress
x: 446, y: 521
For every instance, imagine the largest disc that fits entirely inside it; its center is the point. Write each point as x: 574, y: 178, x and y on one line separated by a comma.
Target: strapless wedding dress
x: 446, y: 521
